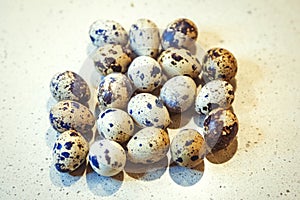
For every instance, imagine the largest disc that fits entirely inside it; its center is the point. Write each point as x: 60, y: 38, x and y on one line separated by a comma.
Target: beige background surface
x: 40, y: 38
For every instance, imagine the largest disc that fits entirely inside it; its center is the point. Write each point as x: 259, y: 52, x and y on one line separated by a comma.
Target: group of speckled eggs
x: 145, y: 77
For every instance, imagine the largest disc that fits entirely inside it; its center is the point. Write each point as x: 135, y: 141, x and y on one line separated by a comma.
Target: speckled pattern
x: 69, y: 85
x: 181, y: 33
x: 145, y: 73
x: 147, y: 110
x: 176, y: 62
x: 107, y: 157
x: 69, y: 151
x: 144, y: 38
x: 178, y: 93
x: 214, y: 94
x: 220, y: 127
x: 107, y: 32
x: 111, y: 58
x: 68, y: 114
x: 115, y: 124
x: 219, y: 63
x: 149, y: 145
x: 188, y: 148
x: 114, y: 91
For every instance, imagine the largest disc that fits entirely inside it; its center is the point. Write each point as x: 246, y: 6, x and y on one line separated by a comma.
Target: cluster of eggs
x: 146, y: 76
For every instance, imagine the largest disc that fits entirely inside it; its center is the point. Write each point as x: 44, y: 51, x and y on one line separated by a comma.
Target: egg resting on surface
x: 107, y: 157
x: 219, y: 63
x: 114, y: 91
x: 149, y: 145
x: 175, y: 62
x: 111, y: 58
x: 115, y: 124
x: 178, y: 93
x: 214, y: 94
x: 107, y: 32
x: 144, y: 38
x: 69, y: 86
x: 69, y: 151
x: 145, y: 73
x: 220, y: 128
x: 147, y: 110
x: 68, y: 114
x: 181, y: 33
x: 188, y: 148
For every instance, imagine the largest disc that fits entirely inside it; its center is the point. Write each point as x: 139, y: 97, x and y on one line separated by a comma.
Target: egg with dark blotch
x: 175, y: 62
x: 181, y: 33
x: 219, y: 63
x: 111, y: 58
x: 69, y: 151
x: 145, y: 73
x: 188, y: 148
x: 68, y: 114
x: 149, y: 145
x: 178, y: 93
x: 144, y: 38
x: 107, y: 157
x: 115, y: 124
x: 220, y: 128
x: 114, y: 91
x: 69, y: 86
x: 147, y: 110
x: 107, y: 32
x: 214, y: 94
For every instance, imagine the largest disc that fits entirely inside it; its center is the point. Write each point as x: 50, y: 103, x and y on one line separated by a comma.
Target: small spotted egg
x: 144, y: 38
x: 115, y: 124
x: 107, y: 157
x: 107, y: 32
x: 219, y: 63
x: 69, y: 86
x: 214, y: 94
x: 181, y: 33
x: 114, y: 91
x: 220, y: 128
x: 148, y: 145
x: 178, y: 93
x: 111, y: 58
x: 147, y: 110
x: 188, y: 148
x: 68, y: 114
x: 145, y: 73
x: 70, y: 151
x: 175, y: 62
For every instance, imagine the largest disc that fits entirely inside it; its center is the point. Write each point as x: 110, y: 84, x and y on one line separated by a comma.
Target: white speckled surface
x: 40, y: 38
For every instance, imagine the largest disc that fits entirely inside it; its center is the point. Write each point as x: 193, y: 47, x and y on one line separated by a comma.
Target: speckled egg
x: 148, y: 145
x: 181, y: 33
x: 144, y: 38
x: 115, y: 124
x: 214, y: 94
x: 107, y: 32
x: 107, y: 157
x: 219, y: 63
x: 114, y: 91
x: 70, y: 151
x: 69, y: 86
x: 220, y: 127
x: 145, y: 73
x: 188, y: 148
x: 178, y: 93
x: 68, y: 114
x: 147, y: 110
x: 111, y: 58
x: 175, y: 62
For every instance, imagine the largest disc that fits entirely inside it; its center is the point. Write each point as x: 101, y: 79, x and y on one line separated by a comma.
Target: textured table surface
x: 40, y: 38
